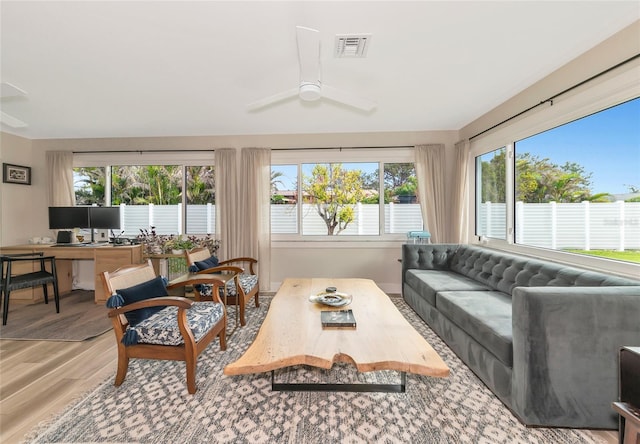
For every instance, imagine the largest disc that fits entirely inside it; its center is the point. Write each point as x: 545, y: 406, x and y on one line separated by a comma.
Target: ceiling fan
x: 7, y: 90
x: 311, y: 87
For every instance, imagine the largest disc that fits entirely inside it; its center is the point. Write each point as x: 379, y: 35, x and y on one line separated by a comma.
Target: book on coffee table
x: 338, y: 319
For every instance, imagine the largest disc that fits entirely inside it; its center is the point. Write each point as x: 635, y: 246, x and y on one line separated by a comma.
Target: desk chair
x: 12, y: 280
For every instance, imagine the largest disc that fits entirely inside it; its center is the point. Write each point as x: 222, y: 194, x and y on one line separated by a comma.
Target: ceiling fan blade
x: 270, y: 100
x: 11, y: 121
x: 8, y: 90
x: 308, y: 54
x: 346, y: 98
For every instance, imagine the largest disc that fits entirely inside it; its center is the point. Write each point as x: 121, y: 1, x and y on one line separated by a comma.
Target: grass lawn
x: 628, y: 256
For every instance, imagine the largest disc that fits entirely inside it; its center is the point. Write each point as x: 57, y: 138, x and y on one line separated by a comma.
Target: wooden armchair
x: 240, y: 290
x: 149, y: 324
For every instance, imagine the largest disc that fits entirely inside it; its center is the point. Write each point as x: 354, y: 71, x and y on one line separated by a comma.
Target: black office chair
x: 12, y: 281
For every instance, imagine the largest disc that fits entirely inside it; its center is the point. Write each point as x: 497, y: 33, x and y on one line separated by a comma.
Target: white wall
x: 22, y: 206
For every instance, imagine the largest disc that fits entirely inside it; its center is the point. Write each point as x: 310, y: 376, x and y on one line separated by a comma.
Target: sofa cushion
x: 484, y: 315
x: 428, y: 282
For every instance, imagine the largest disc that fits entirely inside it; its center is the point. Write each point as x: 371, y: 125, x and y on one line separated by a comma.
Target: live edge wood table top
x: 292, y: 334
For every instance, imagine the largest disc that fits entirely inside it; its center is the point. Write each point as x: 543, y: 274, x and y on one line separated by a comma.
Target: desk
x: 104, y: 257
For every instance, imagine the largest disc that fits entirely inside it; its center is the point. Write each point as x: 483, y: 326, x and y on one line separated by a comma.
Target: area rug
x: 153, y: 406
x: 80, y: 318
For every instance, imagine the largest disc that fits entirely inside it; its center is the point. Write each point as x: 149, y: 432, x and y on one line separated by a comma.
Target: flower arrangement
x: 154, y: 243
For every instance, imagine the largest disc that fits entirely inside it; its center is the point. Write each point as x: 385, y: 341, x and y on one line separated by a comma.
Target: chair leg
x: 56, y: 296
x: 223, y: 338
x: 242, y: 303
x: 45, y: 291
x: 5, y: 307
x: 191, y: 372
x: 123, y: 365
x: 257, y: 301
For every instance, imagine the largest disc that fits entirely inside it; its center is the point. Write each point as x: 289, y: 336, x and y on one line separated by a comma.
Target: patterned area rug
x: 153, y: 406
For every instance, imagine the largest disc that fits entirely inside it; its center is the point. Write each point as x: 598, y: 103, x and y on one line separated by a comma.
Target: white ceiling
x: 157, y: 68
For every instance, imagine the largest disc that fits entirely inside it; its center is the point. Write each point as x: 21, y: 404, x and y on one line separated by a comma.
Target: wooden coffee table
x: 292, y: 334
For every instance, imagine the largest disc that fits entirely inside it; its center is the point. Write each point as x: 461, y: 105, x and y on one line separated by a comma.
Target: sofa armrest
x: 565, y: 345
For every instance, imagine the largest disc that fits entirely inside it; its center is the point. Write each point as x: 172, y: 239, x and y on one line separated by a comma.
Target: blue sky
x: 606, y: 144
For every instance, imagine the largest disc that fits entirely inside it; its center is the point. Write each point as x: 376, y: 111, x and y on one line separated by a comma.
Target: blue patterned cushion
x: 247, y: 282
x: 140, y: 292
x: 162, y: 328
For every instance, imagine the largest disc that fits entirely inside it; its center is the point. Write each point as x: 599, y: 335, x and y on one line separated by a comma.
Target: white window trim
x: 339, y: 155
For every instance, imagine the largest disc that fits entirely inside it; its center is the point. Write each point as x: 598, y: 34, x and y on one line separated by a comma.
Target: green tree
x: 201, y: 185
x: 540, y: 181
x: 334, y: 191
x: 493, y: 178
x: 90, y: 184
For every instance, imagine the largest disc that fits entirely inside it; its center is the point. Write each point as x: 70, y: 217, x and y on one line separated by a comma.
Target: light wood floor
x: 39, y: 378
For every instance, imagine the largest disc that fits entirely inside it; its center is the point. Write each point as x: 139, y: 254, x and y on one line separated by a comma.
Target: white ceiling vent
x: 352, y: 45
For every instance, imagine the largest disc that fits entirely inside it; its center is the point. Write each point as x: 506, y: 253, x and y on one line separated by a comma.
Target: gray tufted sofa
x: 542, y: 336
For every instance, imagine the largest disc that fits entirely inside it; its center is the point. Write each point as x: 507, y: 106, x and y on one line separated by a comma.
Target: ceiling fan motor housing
x: 310, y: 91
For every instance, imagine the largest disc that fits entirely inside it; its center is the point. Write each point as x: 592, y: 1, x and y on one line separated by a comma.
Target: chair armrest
x: 177, y: 301
x: 248, y: 260
x: 220, y: 269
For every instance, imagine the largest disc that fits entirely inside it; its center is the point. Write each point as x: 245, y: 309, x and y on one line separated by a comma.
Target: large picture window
x: 344, y: 199
x: 577, y: 186
x: 152, y: 196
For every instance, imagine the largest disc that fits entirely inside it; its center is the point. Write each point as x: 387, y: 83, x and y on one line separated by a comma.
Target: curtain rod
x: 550, y: 99
x: 272, y: 149
x: 142, y: 151
x: 344, y: 148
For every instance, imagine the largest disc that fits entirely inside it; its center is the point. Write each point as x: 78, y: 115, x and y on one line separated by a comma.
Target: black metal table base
x: 321, y: 387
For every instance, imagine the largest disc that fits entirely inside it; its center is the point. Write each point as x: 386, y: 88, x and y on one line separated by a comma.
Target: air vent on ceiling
x: 352, y: 45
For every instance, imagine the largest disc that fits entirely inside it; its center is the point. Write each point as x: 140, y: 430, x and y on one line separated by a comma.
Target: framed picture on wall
x: 16, y: 174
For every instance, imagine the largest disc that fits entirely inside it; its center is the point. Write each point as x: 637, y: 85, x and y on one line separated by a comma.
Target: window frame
x: 379, y: 155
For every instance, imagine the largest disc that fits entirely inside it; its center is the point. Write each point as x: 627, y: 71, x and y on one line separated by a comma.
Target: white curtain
x: 460, y: 196
x: 60, y: 170
x: 226, y: 202
x: 430, y: 172
x: 255, y: 210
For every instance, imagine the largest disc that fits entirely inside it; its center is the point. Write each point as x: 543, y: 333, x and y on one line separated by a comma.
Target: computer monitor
x: 104, y: 217
x: 66, y: 218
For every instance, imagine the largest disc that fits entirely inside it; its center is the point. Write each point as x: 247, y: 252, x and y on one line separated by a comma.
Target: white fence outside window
x: 167, y: 219
x: 563, y: 226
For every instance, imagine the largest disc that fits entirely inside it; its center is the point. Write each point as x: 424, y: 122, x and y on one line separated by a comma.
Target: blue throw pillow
x: 150, y: 289
x: 207, y: 263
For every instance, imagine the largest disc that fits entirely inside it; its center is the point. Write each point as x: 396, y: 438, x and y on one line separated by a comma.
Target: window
x: 401, y: 203
x: 152, y: 195
x: 336, y: 199
x: 344, y: 199
x: 491, y: 208
x: 284, y: 199
x: 577, y: 186
x: 90, y: 185
x: 201, y: 199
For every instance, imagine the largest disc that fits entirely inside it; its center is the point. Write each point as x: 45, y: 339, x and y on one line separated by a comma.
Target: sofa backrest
x: 504, y: 272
